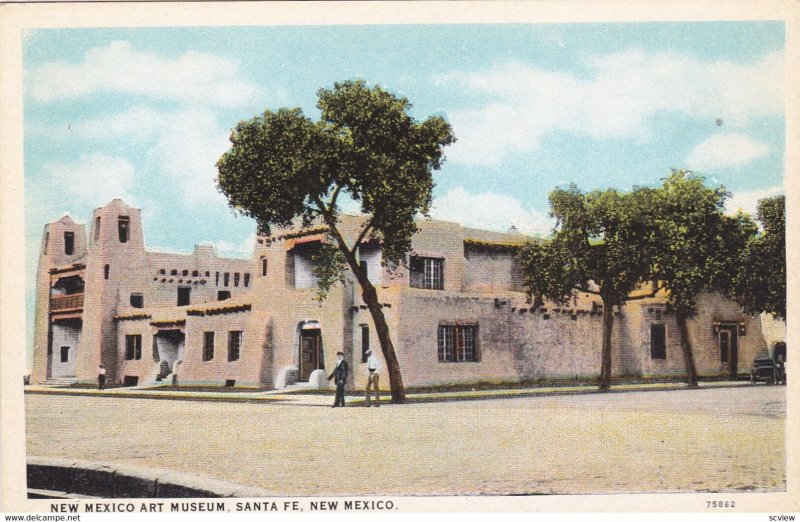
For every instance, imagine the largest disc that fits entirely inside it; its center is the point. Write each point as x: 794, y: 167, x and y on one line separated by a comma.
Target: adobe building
x: 457, y: 314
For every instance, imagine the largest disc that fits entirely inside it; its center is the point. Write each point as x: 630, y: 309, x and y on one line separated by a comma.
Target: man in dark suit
x: 339, y: 374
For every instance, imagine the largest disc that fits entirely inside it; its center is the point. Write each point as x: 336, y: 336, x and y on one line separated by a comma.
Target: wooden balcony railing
x: 60, y: 303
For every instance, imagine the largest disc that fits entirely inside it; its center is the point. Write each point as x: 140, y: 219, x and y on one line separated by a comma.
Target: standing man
x: 339, y: 374
x: 101, y: 377
x: 373, y: 365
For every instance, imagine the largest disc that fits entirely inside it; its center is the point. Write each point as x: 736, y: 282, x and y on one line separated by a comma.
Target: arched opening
x: 311, y: 355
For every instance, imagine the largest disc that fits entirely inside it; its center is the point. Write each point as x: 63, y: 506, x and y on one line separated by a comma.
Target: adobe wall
x: 51, y: 255
x: 254, y: 355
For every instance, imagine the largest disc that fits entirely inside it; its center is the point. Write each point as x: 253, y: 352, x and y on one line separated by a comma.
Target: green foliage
x: 599, y: 246
x: 327, y: 266
x: 760, y: 285
x: 695, y: 247
x: 282, y: 165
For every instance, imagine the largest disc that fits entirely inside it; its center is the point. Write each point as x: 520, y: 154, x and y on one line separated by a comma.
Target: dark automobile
x: 764, y: 369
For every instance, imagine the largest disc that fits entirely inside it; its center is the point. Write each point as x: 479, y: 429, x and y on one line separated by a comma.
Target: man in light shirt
x: 101, y: 377
x: 374, y: 366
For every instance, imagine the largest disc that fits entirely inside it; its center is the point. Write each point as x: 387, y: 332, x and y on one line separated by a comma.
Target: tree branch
x: 587, y: 291
x: 362, y: 235
x: 335, y: 195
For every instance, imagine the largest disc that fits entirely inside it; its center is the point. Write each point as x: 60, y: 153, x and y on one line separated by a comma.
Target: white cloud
x: 722, y: 151
x: 121, y: 68
x: 94, y: 178
x: 183, y: 145
x: 230, y: 248
x: 748, y: 201
x: 616, y: 99
x: 491, y: 211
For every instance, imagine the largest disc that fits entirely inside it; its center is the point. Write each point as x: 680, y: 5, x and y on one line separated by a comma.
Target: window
x: 106, y: 271
x: 162, y: 271
x: 195, y: 273
x: 217, y: 282
x: 185, y: 273
x: 364, y: 342
x: 246, y: 280
x: 208, y: 346
x: 227, y: 278
x: 184, y: 295
x: 64, y: 354
x: 364, y: 268
x: 658, y: 341
x: 236, y: 279
x: 208, y: 274
x: 234, y: 345
x: 223, y: 295
x: 263, y: 267
x: 133, y: 347
x: 137, y: 300
x: 156, y: 357
x: 427, y: 272
x: 458, y: 343
x: 123, y: 226
x: 69, y: 243
x: 97, y: 228
x: 173, y: 272
x: 46, y: 241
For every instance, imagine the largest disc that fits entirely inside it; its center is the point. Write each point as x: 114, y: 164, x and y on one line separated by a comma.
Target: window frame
x: 235, y: 349
x: 133, y: 347
x: 432, y: 272
x: 658, y: 353
x: 123, y: 232
x: 69, y: 243
x: 364, y: 342
x: 139, y: 296
x: 208, y: 346
x: 458, y: 343
x: 188, y: 291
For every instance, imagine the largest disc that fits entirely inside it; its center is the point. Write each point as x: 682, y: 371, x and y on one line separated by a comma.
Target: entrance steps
x: 58, y: 382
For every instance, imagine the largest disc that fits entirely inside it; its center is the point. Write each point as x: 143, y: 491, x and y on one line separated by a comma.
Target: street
x: 727, y: 439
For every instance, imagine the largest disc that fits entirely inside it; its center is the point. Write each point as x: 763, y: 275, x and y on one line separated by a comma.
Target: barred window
x: 458, y: 343
x: 133, y: 347
x: 427, y: 272
x: 208, y: 346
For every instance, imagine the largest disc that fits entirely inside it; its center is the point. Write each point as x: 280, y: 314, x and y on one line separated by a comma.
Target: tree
x: 760, y: 285
x: 599, y: 246
x: 283, y: 166
x: 695, y: 247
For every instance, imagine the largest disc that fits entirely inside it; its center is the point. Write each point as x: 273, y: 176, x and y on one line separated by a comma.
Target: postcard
x: 396, y: 257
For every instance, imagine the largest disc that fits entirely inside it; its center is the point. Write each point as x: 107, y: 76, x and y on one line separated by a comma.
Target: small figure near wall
x: 374, y: 366
x: 339, y: 374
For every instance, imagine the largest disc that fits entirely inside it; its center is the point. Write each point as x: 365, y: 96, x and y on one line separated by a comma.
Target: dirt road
x: 728, y: 439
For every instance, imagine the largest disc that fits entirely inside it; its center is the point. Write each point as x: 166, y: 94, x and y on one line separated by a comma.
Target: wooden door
x: 309, y: 354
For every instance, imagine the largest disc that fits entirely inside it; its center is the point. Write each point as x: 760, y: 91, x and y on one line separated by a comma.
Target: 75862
x: 720, y: 504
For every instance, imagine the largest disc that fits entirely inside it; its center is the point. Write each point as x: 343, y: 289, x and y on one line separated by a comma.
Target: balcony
x: 66, y: 303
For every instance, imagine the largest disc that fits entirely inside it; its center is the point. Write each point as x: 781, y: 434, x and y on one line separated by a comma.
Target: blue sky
x: 143, y: 114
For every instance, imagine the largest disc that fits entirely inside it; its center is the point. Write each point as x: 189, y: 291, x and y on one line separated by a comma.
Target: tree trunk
x: 370, y: 296
x: 686, y: 346
x: 605, y: 362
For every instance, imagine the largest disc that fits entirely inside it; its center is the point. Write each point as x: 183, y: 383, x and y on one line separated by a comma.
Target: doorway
x: 729, y: 349
x: 311, y: 357
x: 65, y: 340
